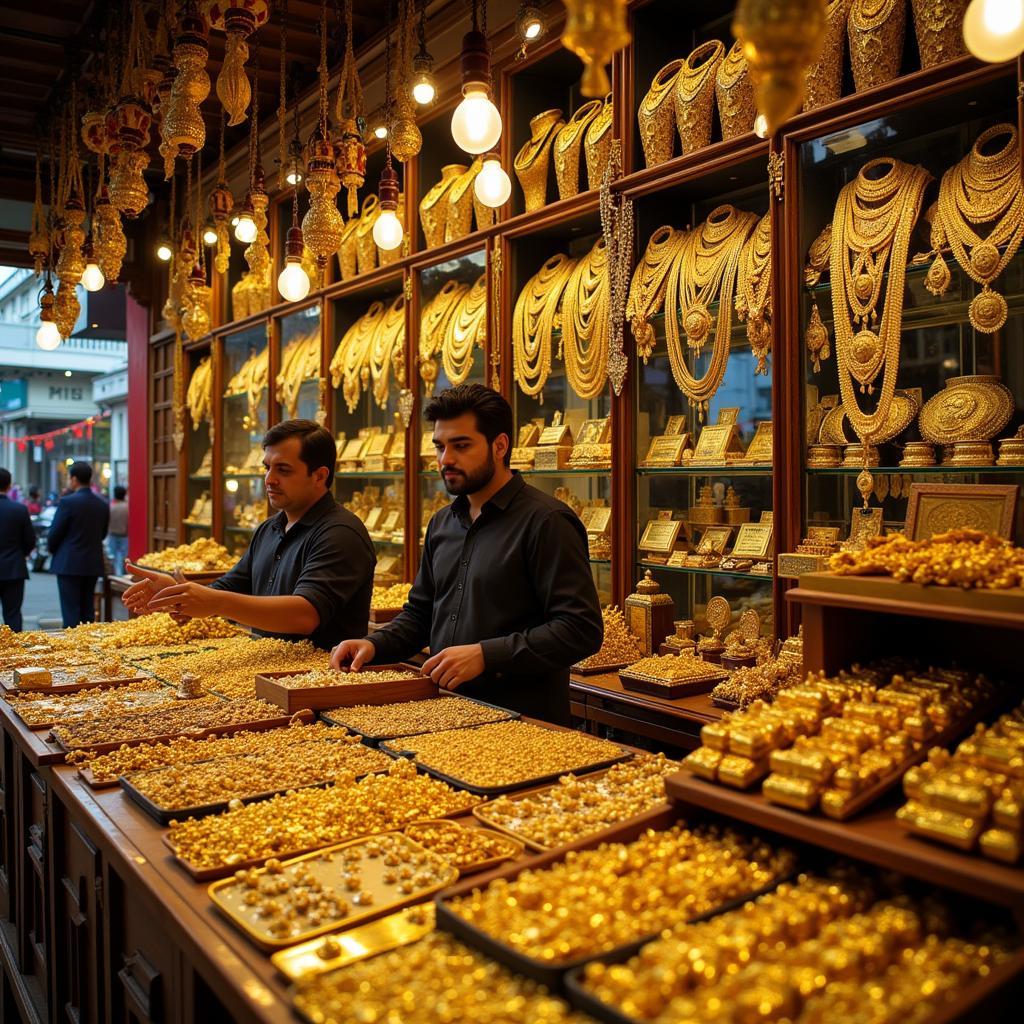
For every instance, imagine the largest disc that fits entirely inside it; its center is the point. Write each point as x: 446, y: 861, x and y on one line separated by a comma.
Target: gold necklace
x: 695, y: 95
x: 871, y: 230
x: 647, y: 288
x: 586, y: 321
x: 875, y: 29
x: 366, y: 247
x: 735, y: 93
x: 531, y: 162
x: 568, y: 144
x: 466, y: 328
x: 704, y: 269
x: 598, y: 143
x: 533, y: 323
x: 434, y: 207
x: 981, y: 189
x: 459, y: 221
x: 754, y: 291
x: 355, y: 369
x: 433, y: 321
x: 656, y: 113
x: 388, y: 336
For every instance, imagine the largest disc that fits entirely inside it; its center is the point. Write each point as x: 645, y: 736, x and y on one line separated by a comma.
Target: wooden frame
x: 935, y: 508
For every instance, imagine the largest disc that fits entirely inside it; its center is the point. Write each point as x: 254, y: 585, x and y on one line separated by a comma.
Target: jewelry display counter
x: 199, y: 447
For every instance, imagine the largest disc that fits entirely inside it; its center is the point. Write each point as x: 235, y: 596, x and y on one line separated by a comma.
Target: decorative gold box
x: 552, y: 457
x: 649, y: 613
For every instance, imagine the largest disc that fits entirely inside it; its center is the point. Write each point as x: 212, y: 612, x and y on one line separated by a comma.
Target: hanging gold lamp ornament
x: 780, y: 42
x: 39, y: 236
x: 110, y: 244
x: 594, y: 30
x: 350, y: 153
x: 257, y: 255
x: 183, y: 129
x: 196, y: 320
x: 404, y: 135
x: 238, y: 19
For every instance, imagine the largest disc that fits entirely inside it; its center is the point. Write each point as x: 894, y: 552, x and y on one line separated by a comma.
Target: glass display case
x: 297, y: 387
x: 198, y: 517
x: 244, y: 419
x: 957, y: 373
x: 367, y: 374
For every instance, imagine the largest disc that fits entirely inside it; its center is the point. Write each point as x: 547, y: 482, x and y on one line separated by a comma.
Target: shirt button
x: 460, y: 586
x: 454, y: 617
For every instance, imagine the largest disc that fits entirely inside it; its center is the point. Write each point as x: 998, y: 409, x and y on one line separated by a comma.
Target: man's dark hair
x: 5, y: 479
x: 317, y: 446
x: 493, y: 413
x: 82, y: 472
x: 120, y: 493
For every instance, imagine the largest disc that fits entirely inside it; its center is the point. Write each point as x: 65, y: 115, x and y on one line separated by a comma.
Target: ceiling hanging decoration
x: 183, y: 129
x: 162, y: 60
x: 39, y: 237
x: 404, y: 137
x: 476, y: 122
x: 350, y: 153
x: 323, y: 224
x: 780, y: 42
x: 175, y: 285
x: 594, y: 30
x: 221, y: 203
x: 422, y: 86
x: 257, y: 255
x: 387, y: 228
x: 282, y: 103
x: 238, y: 19
x: 71, y: 260
x: 109, y: 242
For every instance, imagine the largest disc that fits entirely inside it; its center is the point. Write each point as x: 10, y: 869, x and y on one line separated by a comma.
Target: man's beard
x: 470, y: 483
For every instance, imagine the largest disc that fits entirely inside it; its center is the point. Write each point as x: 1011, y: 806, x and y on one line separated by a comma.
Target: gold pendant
x: 865, y: 348
x: 697, y: 325
x: 863, y: 286
x: 987, y: 311
x: 865, y: 484
x: 938, y: 277
x: 816, y: 339
x: 985, y: 260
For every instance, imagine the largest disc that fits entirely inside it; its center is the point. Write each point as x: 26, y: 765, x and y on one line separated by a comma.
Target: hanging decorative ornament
x: 594, y: 30
x: 183, y: 129
x: 238, y: 19
x: 39, y: 237
x: 221, y: 203
x: 780, y: 42
x: 94, y: 132
x: 350, y: 153
x: 160, y: 65
x: 109, y: 242
x: 404, y: 136
x: 196, y: 320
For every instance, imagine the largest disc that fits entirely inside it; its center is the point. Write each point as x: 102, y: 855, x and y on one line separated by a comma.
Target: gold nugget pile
x: 460, y: 846
x: 507, y: 753
x: 576, y: 808
x: 958, y: 558
x: 388, y: 598
x: 157, y: 630
x: 182, y: 751
x: 332, y: 677
x: 675, y: 668
x: 412, y: 717
x: 818, y: 950
x: 619, y: 646
x: 178, y: 718
x: 40, y: 709
x: 242, y: 776
x: 595, y: 900
x: 973, y: 799
x: 202, y: 555
x: 411, y: 983
x: 310, y: 818
x: 827, y: 741
x: 758, y: 682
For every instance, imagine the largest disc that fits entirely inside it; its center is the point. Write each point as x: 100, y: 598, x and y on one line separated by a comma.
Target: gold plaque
x: 766, y: 517
x: 728, y: 416
x: 528, y: 435
x: 716, y: 442
x: 378, y: 444
x: 667, y: 450
x: 864, y: 523
x: 660, y: 535
x: 714, y: 540
x: 600, y: 520
x: 353, y: 450
x: 823, y: 534
x: 427, y: 450
x: 522, y: 458
x: 559, y: 434
x: 936, y: 508
x: 373, y: 518
x: 675, y: 425
x: 754, y: 540
x: 677, y: 559
x: 760, y: 448
x: 390, y: 523
x: 386, y: 565
x: 552, y: 457
x: 596, y: 432
x: 793, y: 565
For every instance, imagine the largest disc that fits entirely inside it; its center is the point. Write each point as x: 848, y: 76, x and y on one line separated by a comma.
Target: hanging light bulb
x: 209, y: 233
x: 530, y: 23
x: 476, y: 123
x: 423, y: 87
x: 761, y: 126
x: 377, y: 124
x: 994, y: 29
x: 492, y: 185
x: 293, y: 281
x: 246, y: 229
x: 48, y: 335
x: 164, y: 251
x: 294, y: 173
x: 92, y: 277
x: 387, y: 228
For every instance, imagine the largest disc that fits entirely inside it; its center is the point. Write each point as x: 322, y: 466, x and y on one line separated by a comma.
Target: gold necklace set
x: 734, y: 91
x: 350, y: 362
x: 982, y: 189
x: 200, y: 393
x: 586, y: 323
x: 387, y: 345
x: 754, y: 291
x: 466, y: 329
x: 568, y: 145
x: 871, y: 229
x: 534, y: 322
x: 704, y: 271
x: 532, y: 161
x: 300, y: 362
x: 433, y: 323
x: 647, y: 288
x: 657, y: 114
x: 695, y: 94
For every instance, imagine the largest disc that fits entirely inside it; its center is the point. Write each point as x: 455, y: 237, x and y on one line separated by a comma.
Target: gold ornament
x: 586, y: 320
x: 971, y: 408
x: 597, y: 144
x: 531, y: 162
x: 322, y: 226
x: 533, y: 323
x: 823, y: 80
x: 109, y: 242
x: 182, y: 129
x: 466, y: 329
x: 735, y: 93
x: 434, y: 206
x: 386, y: 348
x: 816, y: 339
x: 657, y: 114
x: 238, y: 19
x: 754, y: 291
x: 567, y: 146
x: 594, y: 30
x: 405, y: 136
x: 938, y: 25
x: 366, y: 247
x: 876, y: 29
x: 433, y: 324
x: 647, y: 288
x: 221, y: 204
x: 695, y: 95
x: 39, y: 236
x: 780, y: 42
x: 66, y: 309
x: 196, y: 320
x: 348, y: 253
x: 128, y: 191
x: 459, y: 220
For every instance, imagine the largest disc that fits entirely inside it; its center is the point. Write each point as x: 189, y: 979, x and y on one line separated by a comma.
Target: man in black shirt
x: 308, y: 571
x: 504, y: 595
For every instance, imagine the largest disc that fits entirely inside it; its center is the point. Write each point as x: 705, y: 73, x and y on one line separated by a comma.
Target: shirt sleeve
x: 238, y: 579
x: 409, y: 631
x: 573, y: 628
x: 335, y: 567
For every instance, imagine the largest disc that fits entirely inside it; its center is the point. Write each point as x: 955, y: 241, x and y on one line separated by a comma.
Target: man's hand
x: 352, y: 655
x: 137, y: 597
x: 454, y: 666
x: 189, y: 599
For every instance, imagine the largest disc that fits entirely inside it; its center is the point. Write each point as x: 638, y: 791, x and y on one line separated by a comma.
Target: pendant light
x: 48, y: 335
x: 293, y: 281
x: 245, y: 227
x: 92, y: 277
x: 994, y: 29
x: 423, y: 86
x: 492, y: 186
x: 387, y: 228
x: 530, y: 23
x: 476, y: 123
x: 164, y: 252
x: 209, y: 233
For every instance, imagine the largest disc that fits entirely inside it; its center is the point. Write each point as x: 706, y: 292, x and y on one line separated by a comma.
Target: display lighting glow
x: 476, y: 123
x: 761, y: 126
x: 92, y: 278
x: 293, y: 282
x: 492, y: 185
x: 164, y: 251
x: 994, y: 29
x: 209, y: 235
x: 387, y: 230
x: 48, y: 336
x: 246, y: 230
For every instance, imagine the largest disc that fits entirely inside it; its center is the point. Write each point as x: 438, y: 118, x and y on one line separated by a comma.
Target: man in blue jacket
x: 76, y: 544
x: 17, y: 539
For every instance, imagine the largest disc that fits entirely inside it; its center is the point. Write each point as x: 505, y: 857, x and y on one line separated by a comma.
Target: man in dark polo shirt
x: 308, y: 571
x: 504, y: 594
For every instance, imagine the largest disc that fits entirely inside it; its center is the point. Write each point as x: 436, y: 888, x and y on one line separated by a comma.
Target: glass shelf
x: 199, y: 476
x: 726, y: 470
x: 688, y: 571
x: 917, y: 470
x: 566, y: 472
x: 355, y: 474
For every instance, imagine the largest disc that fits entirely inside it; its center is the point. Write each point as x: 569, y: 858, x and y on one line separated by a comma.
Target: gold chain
x: 389, y: 333
x: 533, y: 323
x: 647, y: 289
x: 466, y: 329
x: 586, y: 320
x: 754, y: 291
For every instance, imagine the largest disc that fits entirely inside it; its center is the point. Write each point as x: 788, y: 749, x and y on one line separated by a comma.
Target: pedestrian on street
x: 17, y: 539
x: 117, y: 535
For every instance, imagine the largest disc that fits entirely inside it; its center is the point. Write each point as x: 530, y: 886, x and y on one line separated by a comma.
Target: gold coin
x: 984, y: 259
x: 938, y: 277
x: 697, y: 324
x: 865, y: 347
x: 863, y: 286
x: 987, y: 311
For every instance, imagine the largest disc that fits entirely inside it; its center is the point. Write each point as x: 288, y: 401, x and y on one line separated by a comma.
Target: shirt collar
x: 501, y: 500
x: 313, y: 514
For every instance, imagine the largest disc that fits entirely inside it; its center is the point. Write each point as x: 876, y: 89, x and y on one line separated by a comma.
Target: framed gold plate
x: 754, y: 540
x: 660, y: 535
x: 675, y: 425
x: 715, y: 442
x: 713, y: 540
x: 600, y: 520
x: 936, y: 508
x: 666, y: 450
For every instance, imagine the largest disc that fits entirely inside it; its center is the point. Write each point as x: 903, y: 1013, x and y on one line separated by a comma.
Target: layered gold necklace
x: 567, y: 147
x: 533, y: 323
x: 350, y: 364
x: 466, y: 328
x: 388, y: 338
x: 703, y: 271
x: 586, y: 322
x: 981, y: 189
x: 695, y: 95
x: 754, y: 291
x: 647, y: 288
x: 871, y: 229
x: 433, y: 321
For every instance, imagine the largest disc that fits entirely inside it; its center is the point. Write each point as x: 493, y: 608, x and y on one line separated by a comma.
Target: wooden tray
x: 382, y: 615
x: 90, y: 780
x: 648, y: 684
x: 322, y: 698
x: 596, y: 670
x: 261, y: 725
x: 7, y: 685
x: 516, y: 846
x: 728, y: 705
x: 546, y: 973
x: 373, y: 741
x: 50, y: 723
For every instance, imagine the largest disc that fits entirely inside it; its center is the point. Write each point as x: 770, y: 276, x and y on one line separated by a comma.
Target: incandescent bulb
x: 48, y: 336
x: 387, y: 230
x: 492, y: 185
x: 231, y: 485
x: 246, y: 230
x: 209, y: 235
x: 293, y: 177
x: 164, y: 252
x: 994, y: 29
x: 476, y: 123
x: 92, y: 278
x: 761, y: 126
x: 293, y: 282
x: 423, y: 92
x: 381, y: 131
